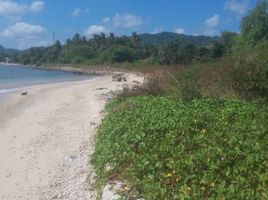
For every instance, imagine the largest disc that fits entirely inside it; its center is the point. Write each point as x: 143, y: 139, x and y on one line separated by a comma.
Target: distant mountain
x: 161, y: 38
x: 2, y: 49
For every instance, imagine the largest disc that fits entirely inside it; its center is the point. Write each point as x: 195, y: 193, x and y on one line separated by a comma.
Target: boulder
x: 119, y: 78
x: 24, y: 93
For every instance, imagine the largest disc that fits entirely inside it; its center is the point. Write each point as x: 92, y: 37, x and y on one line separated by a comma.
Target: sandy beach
x: 46, y: 139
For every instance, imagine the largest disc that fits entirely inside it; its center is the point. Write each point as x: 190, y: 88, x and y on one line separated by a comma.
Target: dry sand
x: 46, y: 139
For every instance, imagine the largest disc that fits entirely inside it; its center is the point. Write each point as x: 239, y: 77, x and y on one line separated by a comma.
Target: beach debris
x: 119, y: 78
x: 106, y: 96
x: 136, y: 82
x: 57, y: 196
x: 9, y: 174
x: 69, y: 159
x: 24, y: 93
x: 100, y: 88
x: 92, y: 123
x: 110, y: 191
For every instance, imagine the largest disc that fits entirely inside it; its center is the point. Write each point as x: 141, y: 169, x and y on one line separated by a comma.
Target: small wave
x: 3, y: 91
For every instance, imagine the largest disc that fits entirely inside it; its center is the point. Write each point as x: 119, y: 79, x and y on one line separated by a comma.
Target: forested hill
x: 7, y: 53
x: 163, y: 48
x: 2, y: 53
x: 2, y: 49
x: 164, y: 37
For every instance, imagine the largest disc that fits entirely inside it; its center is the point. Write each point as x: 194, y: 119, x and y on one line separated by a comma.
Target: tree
x: 203, y: 54
x: 123, y: 54
x: 249, y: 69
x: 135, y: 40
x: 228, y: 40
x: 190, y: 52
x: 111, y: 39
x: 254, y: 27
x: 68, y: 43
x: 76, y: 39
x: 217, y: 51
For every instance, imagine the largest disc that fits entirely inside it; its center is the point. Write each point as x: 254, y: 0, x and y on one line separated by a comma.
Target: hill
x: 162, y: 48
x: 2, y: 49
x: 7, y: 52
x: 161, y: 38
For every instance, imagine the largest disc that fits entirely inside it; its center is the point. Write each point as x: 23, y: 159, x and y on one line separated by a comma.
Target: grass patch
x: 166, y: 149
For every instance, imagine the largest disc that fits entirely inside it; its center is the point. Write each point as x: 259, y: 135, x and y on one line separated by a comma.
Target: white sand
x: 46, y: 138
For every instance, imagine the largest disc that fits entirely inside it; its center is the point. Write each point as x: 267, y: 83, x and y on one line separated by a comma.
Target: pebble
x: 92, y: 123
x: 8, y: 175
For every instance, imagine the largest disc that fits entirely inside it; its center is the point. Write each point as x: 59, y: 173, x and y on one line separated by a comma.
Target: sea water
x: 15, y: 77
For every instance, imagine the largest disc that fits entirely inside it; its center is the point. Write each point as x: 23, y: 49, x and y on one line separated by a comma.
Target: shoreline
x: 10, y: 91
x: 86, y: 70
x: 71, y: 70
x: 47, y: 138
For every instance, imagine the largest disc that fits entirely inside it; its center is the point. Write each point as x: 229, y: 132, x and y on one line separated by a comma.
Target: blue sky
x: 26, y: 23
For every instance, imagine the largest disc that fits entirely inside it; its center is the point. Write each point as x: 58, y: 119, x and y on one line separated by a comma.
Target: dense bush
x: 249, y: 67
x: 249, y: 75
x: 123, y: 54
x: 189, y: 87
x: 153, y: 85
x: 184, y: 82
x: 206, y: 149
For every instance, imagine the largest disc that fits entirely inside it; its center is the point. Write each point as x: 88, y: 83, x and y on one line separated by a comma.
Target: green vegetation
x: 165, y: 37
x: 197, y: 131
x: 163, y: 48
x: 249, y: 61
x: 167, y: 149
x: 198, y: 126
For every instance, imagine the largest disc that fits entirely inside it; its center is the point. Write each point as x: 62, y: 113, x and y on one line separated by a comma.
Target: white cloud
x: 126, y: 21
x: 10, y: 8
x: 37, y: 6
x: 179, y: 30
x: 158, y: 30
x: 238, y: 7
x: 26, y: 35
x: 76, y: 12
x: 95, y: 29
x: 212, y: 21
x: 22, y: 29
x: 210, y: 25
x: 14, y: 10
x: 106, y: 20
x: 26, y: 44
x: 195, y: 34
x: 211, y: 32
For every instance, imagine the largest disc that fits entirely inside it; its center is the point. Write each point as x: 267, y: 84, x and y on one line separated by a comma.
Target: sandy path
x: 46, y: 137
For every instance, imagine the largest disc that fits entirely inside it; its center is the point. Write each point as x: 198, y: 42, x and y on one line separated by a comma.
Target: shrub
x: 188, y: 80
x: 78, y: 60
x: 217, y: 51
x: 249, y: 73
x: 154, y: 85
x: 205, y: 149
x: 249, y: 70
x: 123, y: 54
x: 184, y: 82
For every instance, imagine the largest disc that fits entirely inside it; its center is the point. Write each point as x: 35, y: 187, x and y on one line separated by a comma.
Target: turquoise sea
x: 14, y: 77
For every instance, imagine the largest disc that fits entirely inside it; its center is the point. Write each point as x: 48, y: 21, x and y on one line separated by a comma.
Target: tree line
x: 109, y: 48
